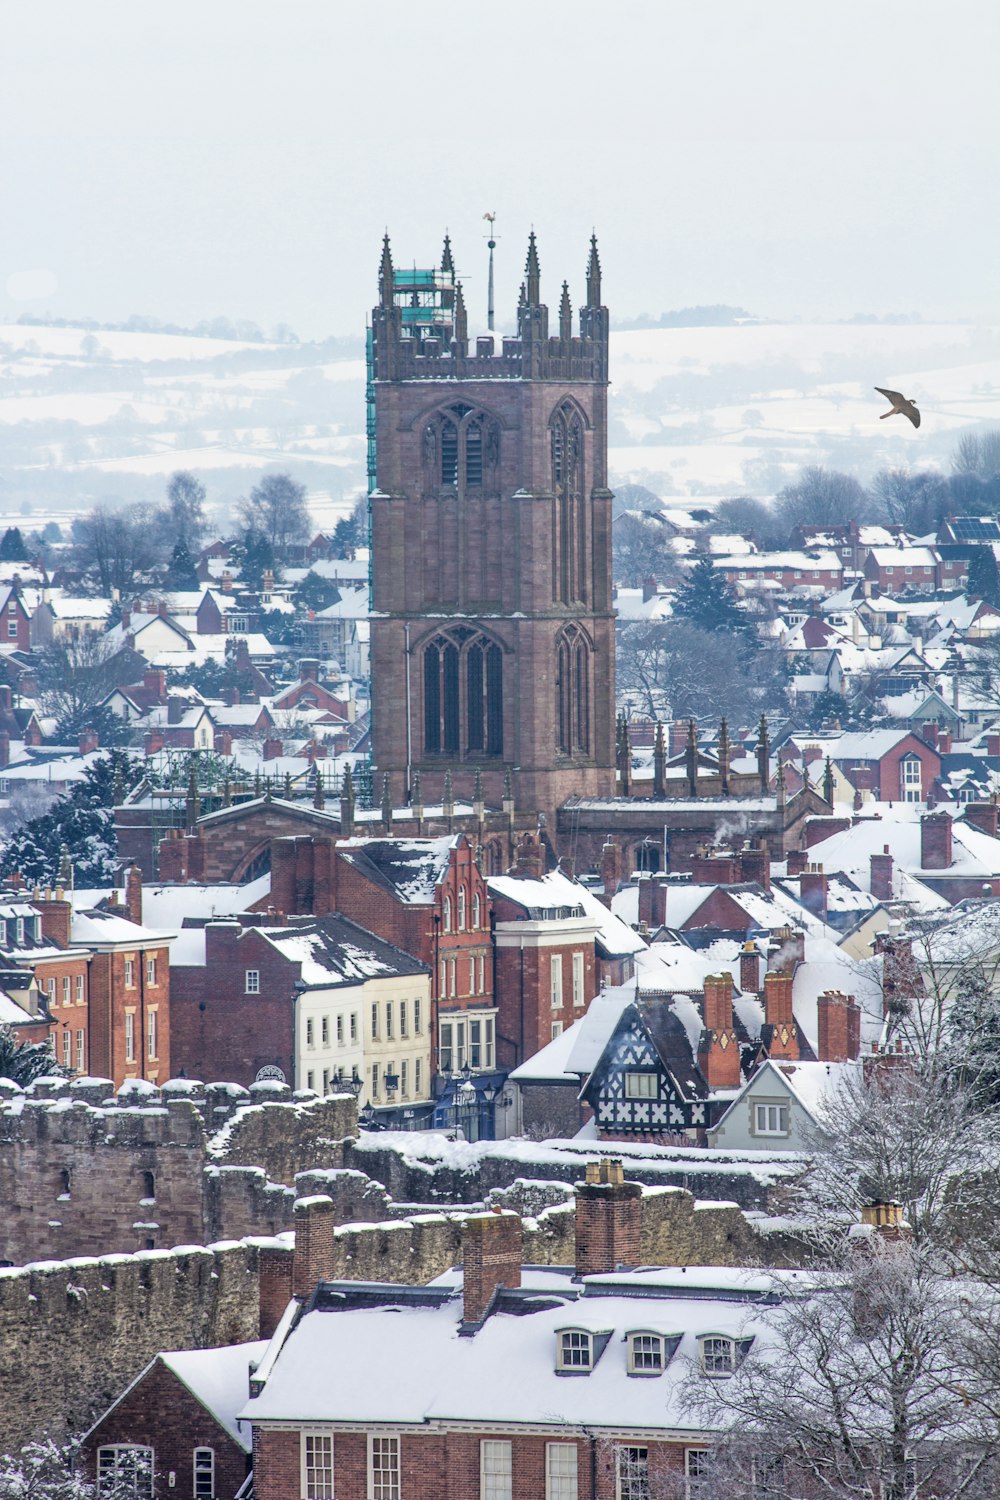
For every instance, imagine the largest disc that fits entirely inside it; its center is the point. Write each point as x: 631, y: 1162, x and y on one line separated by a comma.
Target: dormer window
x: 720, y: 1355
x: 574, y: 1351
x: 649, y: 1353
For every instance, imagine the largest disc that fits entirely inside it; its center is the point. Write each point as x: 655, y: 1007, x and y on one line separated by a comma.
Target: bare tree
x: 917, y: 502
x: 642, y: 550
x: 977, y: 453
x: 119, y: 547
x: 75, y: 675
x: 183, y: 519
x: 696, y: 673
x: 745, y: 516
x: 864, y: 1384
x: 824, y: 497
x: 277, y: 509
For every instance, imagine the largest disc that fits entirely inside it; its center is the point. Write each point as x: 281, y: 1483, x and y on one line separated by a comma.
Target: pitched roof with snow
x: 411, y: 869
x: 335, y: 951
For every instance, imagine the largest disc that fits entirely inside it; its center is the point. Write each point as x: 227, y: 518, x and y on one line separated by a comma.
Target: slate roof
x: 333, y: 950
x: 410, y: 869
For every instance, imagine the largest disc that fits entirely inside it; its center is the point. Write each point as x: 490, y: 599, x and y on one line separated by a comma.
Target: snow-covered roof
x: 334, y: 951
x: 550, y: 1064
x: 333, y: 1366
x: 410, y: 868
x: 814, y: 1084
x: 97, y: 928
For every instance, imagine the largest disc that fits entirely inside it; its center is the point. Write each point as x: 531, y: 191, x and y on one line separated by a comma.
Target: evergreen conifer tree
x: 12, y: 548
x: 707, y: 602
x: 984, y: 579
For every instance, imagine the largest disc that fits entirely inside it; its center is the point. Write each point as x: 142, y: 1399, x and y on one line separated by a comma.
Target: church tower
x: 492, y: 631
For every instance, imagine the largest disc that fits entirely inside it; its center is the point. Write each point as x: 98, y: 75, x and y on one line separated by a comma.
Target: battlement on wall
x: 84, y: 1171
x: 583, y: 359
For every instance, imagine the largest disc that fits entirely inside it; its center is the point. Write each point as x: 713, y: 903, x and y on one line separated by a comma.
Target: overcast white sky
x: 240, y: 157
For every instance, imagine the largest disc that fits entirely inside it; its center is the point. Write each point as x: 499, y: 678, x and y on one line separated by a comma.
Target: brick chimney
x: 813, y: 890
x: 153, y: 741
x: 652, y: 901
x: 713, y: 867
x: 56, y: 915
x: 4, y: 749
x: 935, y: 841
x: 983, y: 815
x: 755, y: 864
x: 176, y: 709
x: 6, y: 698
x: 789, y: 949
x: 611, y: 868
x: 133, y: 893
x: 750, y: 968
x: 492, y: 1247
x: 796, y: 861
x: 881, y: 875
x: 650, y: 589
x: 608, y: 1219
x: 718, y: 1049
x: 944, y: 742
x: 529, y: 857
x: 839, y: 1021
x: 313, y: 1222
x: 275, y: 1263
x: 227, y: 581
x: 272, y: 748
x: 222, y: 742
x: 779, y: 1016
x: 154, y: 680
x: 89, y: 741
x: 309, y: 669
x: 993, y: 744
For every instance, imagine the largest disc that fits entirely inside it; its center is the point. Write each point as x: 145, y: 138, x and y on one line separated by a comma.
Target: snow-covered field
x: 695, y: 412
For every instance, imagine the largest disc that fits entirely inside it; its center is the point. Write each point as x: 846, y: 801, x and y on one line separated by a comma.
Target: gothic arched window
x: 461, y: 449
x: 566, y: 442
x: 463, y: 695
x: 573, y: 692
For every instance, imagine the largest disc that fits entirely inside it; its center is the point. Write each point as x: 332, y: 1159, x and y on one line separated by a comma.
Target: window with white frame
x: 482, y: 974
x: 50, y: 985
x: 560, y: 1471
x: 129, y: 973
x: 557, y: 1029
x: 340, y: 1031
x: 403, y: 1031
x: 374, y: 1080
x: 447, y: 913
x: 696, y: 1471
x: 416, y: 1018
x: 481, y: 1042
x: 477, y: 911
x: 67, y: 1048
x: 130, y: 1036
x: 374, y: 1022
x: 461, y: 908
x: 151, y: 1033
x: 310, y: 1037
x: 151, y: 974
x: 251, y: 984
x: 631, y: 1473
x: 79, y: 989
x: 452, y: 977
x: 495, y: 1473
x: 910, y: 779
x: 125, y: 1470
x: 65, y: 989
x: 578, y: 981
x: 383, y: 1468
x: 388, y: 1020
x: 770, y: 1119
x: 80, y: 1042
x: 641, y: 1085
x: 472, y: 974
x: 204, y: 1474
x: 718, y: 1355
x: 317, y: 1466
x: 354, y: 1025
x: 646, y: 1355
x: 556, y: 981
x: 442, y: 978
x: 418, y: 1072
x: 404, y: 1078
x: 575, y: 1349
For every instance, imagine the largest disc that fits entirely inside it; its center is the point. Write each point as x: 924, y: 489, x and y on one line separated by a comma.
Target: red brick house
x: 899, y: 570
x: 309, y: 692
x: 895, y: 765
x: 546, y: 1386
x: 45, y: 977
x: 791, y: 570
x: 546, y: 960
x: 15, y: 621
x: 129, y: 1010
x: 177, y: 1423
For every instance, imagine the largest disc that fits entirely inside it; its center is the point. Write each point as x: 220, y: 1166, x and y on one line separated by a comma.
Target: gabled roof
x: 218, y: 1379
x: 411, y: 869
x: 335, y: 951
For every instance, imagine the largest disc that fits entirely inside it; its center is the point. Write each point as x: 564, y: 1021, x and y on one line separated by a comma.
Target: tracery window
x: 566, y: 441
x: 461, y: 449
x: 573, y: 692
x: 463, y: 695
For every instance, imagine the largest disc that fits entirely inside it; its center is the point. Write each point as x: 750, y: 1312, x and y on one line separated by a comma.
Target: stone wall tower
x: 492, y: 633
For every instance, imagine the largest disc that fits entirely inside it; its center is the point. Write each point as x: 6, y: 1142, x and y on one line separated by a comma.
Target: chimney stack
x: 275, y: 1286
x: 796, y: 861
x: 935, y: 841
x: 881, y: 875
x: 779, y: 1017
x: 313, y: 1222
x: 813, y: 890
x: 750, y: 968
x: 89, y: 741
x: 984, y: 816
x: 718, y: 1049
x: 492, y: 1247
x: 839, y: 1021
x: 652, y: 901
x: 608, y: 1219
x: 611, y: 868
x: 133, y: 893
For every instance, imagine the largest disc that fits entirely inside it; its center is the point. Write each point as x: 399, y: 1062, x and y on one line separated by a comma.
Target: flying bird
x: 902, y: 406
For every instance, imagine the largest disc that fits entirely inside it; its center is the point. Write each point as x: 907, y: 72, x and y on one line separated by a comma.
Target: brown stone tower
x: 492, y: 631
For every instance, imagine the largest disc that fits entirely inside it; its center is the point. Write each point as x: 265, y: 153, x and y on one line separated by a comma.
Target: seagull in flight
x: 902, y: 406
